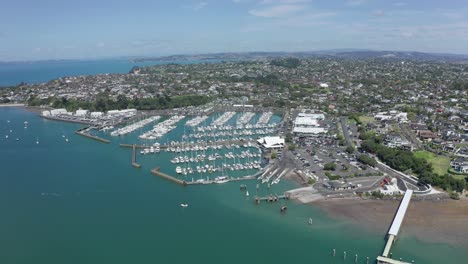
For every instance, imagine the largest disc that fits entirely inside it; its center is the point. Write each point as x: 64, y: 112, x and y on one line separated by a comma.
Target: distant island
x: 338, y: 53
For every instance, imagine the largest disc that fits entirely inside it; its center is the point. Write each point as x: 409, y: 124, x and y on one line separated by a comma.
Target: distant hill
x: 340, y: 53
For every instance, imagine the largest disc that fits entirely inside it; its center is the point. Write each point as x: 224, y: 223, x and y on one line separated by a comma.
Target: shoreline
x: 443, y: 221
x: 12, y: 105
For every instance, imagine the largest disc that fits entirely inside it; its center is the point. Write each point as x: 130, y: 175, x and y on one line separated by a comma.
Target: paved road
x: 403, y: 177
x: 410, y: 136
x: 344, y: 126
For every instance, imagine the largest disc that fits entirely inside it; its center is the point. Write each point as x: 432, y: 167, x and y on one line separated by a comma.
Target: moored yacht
x: 221, y: 179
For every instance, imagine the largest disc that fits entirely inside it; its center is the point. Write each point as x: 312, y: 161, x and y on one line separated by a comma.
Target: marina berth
x: 162, y: 128
x: 196, y: 121
x: 245, y: 118
x: 264, y: 118
x: 132, y: 127
x: 225, y: 117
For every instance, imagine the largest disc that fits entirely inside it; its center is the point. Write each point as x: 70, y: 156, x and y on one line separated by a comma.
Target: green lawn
x: 439, y: 163
x: 366, y: 119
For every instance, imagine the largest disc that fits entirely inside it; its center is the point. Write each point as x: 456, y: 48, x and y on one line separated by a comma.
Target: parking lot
x: 313, y: 153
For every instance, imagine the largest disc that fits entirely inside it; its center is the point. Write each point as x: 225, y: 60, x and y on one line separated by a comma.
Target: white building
x: 391, y: 189
x: 60, y: 111
x: 81, y: 112
x: 308, y: 124
x: 113, y: 112
x: 392, y: 115
x: 96, y: 114
x: 272, y: 142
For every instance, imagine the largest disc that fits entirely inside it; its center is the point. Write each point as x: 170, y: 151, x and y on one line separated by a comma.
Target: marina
x: 222, y: 183
x: 162, y: 128
x: 132, y: 127
x: 210, y: 147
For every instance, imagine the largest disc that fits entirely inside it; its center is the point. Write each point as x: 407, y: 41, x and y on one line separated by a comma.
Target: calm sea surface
x: 81, y: 202
x: 43, y: 71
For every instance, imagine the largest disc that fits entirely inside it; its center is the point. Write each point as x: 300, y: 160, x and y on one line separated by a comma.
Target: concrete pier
x: 134, y: 161
x: 82, y: 132
x: 156, y: 171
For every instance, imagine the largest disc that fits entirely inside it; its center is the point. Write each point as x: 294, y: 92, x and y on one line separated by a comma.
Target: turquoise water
x: 43, y: 71
x: 81, y: 202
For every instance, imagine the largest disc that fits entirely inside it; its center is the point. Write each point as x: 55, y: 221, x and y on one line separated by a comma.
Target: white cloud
x: 399, y: 4
x: 277, y: 11
x: 196, y: 7
x: 378, y: 13
x: 199, y: 6
x: 407, y: 34
x: 283, y: 1
x: 356, y: 2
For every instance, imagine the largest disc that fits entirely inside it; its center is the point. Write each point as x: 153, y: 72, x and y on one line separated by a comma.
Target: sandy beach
x: 444, y: 221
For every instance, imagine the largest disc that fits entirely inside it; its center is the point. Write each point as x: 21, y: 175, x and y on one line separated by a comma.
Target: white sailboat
x: 37, y: 141
x: 247, y: 193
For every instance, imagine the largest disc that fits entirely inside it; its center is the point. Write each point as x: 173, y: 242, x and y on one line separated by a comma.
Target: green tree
x: 330, y: 166
x: 350, y: 149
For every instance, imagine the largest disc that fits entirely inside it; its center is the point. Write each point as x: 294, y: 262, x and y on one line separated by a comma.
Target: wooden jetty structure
x: 82, y: 132
x: 134, y: 161
x: 271, y: 198
x: 395, y: 229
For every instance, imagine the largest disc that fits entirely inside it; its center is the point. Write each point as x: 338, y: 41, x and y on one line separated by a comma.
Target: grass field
x: 439, y: 163
x: 366, y: 119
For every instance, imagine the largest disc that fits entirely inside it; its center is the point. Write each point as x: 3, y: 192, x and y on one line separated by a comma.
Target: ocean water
x: 42, y: 71
x: 81, y: 201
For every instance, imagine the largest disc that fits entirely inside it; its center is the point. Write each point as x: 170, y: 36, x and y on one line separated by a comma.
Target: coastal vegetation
x: 366, y: 159
x: 403, y: 160
x: 440, y: 164
x: 104, y: 103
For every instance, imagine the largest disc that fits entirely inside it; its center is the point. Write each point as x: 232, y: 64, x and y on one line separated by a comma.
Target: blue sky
x: 63, y: 29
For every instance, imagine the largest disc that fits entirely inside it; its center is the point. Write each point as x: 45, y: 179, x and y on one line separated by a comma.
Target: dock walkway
x: 395, y: 229
x: 224, y: 142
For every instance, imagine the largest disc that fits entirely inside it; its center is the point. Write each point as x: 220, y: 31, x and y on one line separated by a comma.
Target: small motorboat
x: 184, y: 205
x: 283, y: 208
